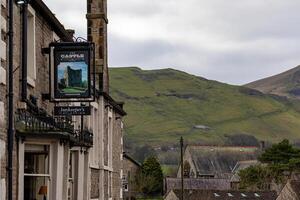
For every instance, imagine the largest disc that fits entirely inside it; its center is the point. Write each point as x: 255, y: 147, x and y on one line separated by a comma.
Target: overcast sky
x: 233, y: 41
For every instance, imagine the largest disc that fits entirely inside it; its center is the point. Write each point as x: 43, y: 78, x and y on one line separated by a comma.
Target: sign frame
x: 85, y: 48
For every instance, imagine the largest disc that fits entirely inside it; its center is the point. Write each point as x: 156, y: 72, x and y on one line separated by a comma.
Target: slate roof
x: 296, y: 187
x: 226, y: 195
x: 128, y: 157
x: 220, y: 161
x: 196, y: 183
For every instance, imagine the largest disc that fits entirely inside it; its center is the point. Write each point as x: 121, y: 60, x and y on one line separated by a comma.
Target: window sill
x: 30, y: 81
x: 2, y: 76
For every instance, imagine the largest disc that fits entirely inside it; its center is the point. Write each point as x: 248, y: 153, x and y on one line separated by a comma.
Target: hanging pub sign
x: 72, y: 67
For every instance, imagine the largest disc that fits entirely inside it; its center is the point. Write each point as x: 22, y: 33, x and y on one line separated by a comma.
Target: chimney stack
x: 71, y: 32
x: 97, y: 33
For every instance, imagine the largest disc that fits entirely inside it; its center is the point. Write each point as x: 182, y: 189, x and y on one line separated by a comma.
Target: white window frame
x: 31, y: 57
x: 94, y: 126
x: 21, y: 168
x: 110, y: 188
x: 110, y: 136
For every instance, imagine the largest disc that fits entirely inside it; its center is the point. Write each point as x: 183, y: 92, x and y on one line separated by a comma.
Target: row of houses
x: 289, y: 192
x: 56, y: 157
x: 211, y: 172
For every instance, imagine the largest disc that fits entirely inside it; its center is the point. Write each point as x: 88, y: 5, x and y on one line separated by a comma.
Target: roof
x: 118, y: 106
x: 295, y: 185
x: 226, y: 195
x: 197, y: 184
x: 40, y: 7
x: 241, y: 165
x: 220, y: 160
x: 125, y: 155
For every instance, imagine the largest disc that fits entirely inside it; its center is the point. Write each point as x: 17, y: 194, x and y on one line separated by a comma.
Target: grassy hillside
x: 284, y: 84
x: 163, y: 105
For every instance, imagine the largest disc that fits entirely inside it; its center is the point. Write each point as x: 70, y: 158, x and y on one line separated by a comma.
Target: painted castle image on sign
x: 72, y: 77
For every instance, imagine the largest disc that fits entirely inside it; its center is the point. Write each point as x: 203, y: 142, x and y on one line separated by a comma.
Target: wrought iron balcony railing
x: 37, y: 122
x: 41, y: 122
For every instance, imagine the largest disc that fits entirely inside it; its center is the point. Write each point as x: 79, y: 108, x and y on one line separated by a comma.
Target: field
x: 163, y: 105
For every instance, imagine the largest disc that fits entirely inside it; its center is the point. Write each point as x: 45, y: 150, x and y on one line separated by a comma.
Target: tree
x: 150, y: 178
x: 141, y: 153
x: 282, y: 157
x: 280, y: 161
x: 280, y: 153
x: 255, y: 177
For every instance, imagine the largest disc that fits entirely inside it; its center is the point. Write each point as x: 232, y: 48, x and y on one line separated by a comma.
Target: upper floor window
x: 2, y: 44
x: 31, y: 49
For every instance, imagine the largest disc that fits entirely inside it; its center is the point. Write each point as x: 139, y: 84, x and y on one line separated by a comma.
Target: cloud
x: 71, y: 15
x: 228, y: 40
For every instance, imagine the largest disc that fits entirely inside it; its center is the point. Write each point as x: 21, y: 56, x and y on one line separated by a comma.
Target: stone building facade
x: 49, y: 152
x: 3, y: 94
x: 109, y: 167
x: 131, y: 169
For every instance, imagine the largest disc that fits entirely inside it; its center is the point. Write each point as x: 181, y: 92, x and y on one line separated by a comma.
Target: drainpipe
x: 181, y: 163
x: 24, y: 51
x: 10, y: 130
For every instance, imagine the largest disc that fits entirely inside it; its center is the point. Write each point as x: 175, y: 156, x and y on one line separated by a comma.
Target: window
x: 125, y: 182
x: 31, y: 57
x: 36, y: 171
x: 110, y: 137
x: 106, y: 143
x: 126, y: 187
x: 186, y: 169
x: 94, y: 153
x: 2, y: 152
x: 110, y: 185
x: 2, y: 45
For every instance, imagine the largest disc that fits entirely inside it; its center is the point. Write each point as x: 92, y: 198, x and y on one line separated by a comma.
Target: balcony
x: 37, y: 123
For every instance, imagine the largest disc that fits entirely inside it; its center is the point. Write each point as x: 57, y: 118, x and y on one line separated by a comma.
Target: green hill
x: 163, y: 105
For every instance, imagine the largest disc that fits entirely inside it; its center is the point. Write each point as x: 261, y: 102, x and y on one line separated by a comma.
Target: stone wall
x: 97, y: 33
x: 95, y: 183
x: 111, y: 140
x: 117, y: 155
x: 130, y: 171
x: 43, y: 37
